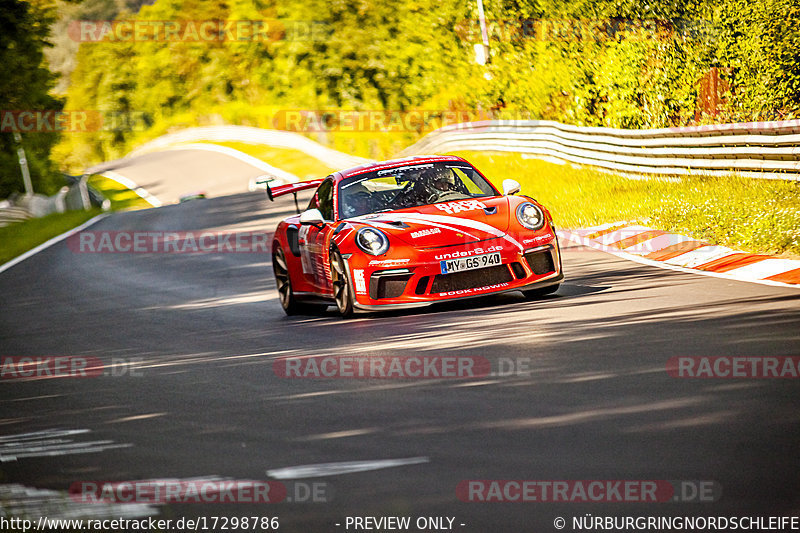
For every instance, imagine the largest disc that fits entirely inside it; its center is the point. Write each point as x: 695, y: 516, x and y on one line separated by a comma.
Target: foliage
x: 617, y: 63
x: 25, y: 85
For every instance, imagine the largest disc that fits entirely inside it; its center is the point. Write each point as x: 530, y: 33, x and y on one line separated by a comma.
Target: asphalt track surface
x: 170, y: 174
x: 598, y: 403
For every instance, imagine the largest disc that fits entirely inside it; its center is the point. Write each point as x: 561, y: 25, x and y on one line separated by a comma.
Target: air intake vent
x: 389, y: 285
x: 422, y: 284
x: 519, y: 271
x: 540, y: 262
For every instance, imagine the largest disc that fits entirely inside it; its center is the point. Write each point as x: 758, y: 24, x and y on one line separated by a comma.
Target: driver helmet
x: 357, y: 201
x: 442, y: 179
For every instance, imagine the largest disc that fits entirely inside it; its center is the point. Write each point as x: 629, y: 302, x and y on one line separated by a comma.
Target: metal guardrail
x: 9, y: 215
x: 761, y: 149
x: 77, y: 196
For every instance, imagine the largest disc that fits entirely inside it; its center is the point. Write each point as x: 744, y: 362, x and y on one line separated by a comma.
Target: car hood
x: 444, y: 224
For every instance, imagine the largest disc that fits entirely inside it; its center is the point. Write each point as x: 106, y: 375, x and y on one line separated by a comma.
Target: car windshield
x: 411, y: 186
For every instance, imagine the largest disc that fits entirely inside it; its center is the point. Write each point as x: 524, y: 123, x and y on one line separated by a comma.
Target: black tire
x: 534, y: 294
x: 283, y: 282
x: 341, y: 285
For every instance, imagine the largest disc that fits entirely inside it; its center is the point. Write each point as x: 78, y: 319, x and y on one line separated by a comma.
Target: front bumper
x: 399, y: 283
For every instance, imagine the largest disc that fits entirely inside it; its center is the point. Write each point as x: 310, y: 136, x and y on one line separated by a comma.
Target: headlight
x: 530, y: 216
x: 372, y: 241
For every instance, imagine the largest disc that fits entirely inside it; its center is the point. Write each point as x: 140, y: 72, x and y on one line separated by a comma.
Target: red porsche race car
x: 411, y: 232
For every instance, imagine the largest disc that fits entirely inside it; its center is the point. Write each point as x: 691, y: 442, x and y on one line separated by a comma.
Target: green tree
x: 26, y: 85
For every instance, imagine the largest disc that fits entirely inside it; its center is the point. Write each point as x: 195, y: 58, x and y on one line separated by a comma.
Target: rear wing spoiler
x: 289, y: 188
x: 293, y: 188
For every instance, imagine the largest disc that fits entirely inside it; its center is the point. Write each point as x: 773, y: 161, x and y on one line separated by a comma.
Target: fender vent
x: 292, y: 237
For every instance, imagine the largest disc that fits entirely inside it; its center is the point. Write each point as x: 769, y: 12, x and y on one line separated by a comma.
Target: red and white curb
x: 678, y: 252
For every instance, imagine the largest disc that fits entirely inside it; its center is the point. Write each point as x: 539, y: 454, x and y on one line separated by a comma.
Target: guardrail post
x: 23, y: 165
x: 61, y: 200
x: 84, y: 189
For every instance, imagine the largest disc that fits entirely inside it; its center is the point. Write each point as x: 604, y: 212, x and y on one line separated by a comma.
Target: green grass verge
x: 20, y: 237
x: 121, y: 197
x: 754, y: 215
x: 297, y: 162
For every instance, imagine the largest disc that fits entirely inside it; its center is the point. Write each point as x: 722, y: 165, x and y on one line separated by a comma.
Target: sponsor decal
x: 538, y: 238
x: 404, y: 169
x: 359, y: 280
x: 458, y: 207
x: 466, y: 292
x: 425, y: 233
x: 388, y: 262
x: 467, y: 253
x: 305, y: 253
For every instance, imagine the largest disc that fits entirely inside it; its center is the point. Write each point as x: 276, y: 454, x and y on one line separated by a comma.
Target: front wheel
x: 533, y: 294
x: 341, y: 285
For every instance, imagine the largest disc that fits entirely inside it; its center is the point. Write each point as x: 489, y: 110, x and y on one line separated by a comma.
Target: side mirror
x: 511, y: 187
x: 312, y: 217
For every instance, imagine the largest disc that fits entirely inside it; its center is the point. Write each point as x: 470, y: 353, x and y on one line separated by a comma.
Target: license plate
x: 470, y: 263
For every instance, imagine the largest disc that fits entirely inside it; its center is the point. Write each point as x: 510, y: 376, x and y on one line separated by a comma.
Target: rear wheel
x: 341, y: 285
x: 533, y: 294
x: 284, y: 283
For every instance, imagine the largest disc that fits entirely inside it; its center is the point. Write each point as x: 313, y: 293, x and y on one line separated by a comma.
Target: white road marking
x: 51, y: 242
x: 51, y: 443
x: 129, y: 183
x: 335, y: 469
